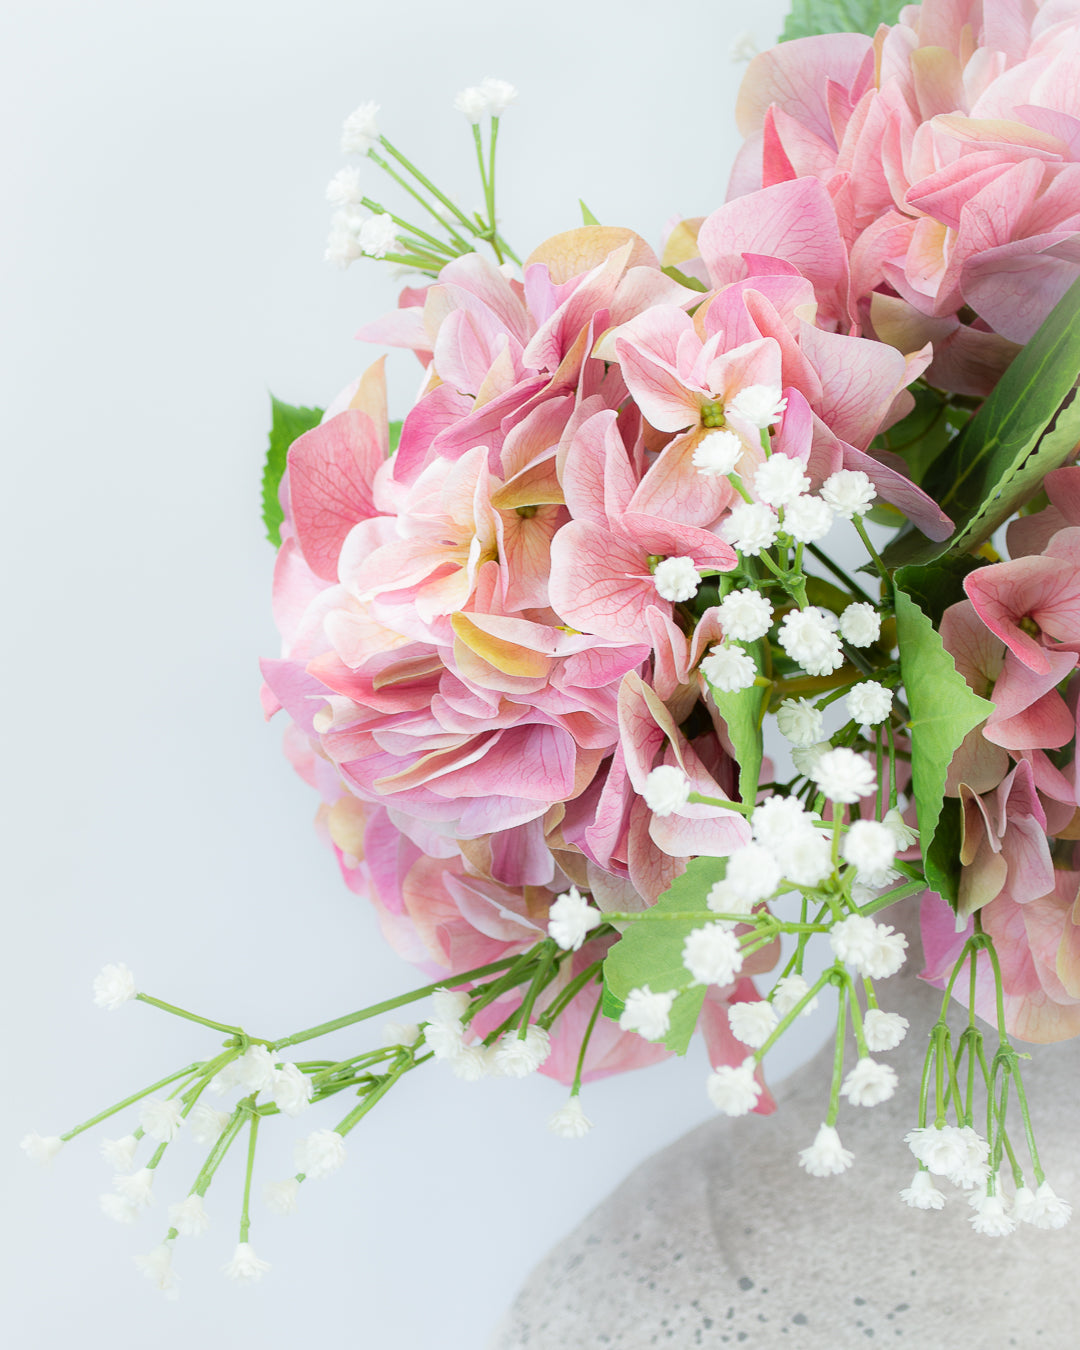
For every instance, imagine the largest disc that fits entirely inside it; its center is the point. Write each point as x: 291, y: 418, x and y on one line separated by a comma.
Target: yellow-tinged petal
x: 508, y: 657
x: 575, y: 251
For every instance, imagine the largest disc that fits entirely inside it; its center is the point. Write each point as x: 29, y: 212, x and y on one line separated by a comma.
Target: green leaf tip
x: 287, y: 423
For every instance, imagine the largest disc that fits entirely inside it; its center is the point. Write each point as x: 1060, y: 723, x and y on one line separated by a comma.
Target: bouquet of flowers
x: 606, y: 723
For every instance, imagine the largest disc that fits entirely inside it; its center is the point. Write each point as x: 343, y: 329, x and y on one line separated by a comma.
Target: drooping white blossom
x: 570, y: 1121
x: 245, y: 1265
x: 869, y: 1083
x: 517, y: 1056
x: 800, y: 723
x: 345, y: 188
x: 903, y: 833
x: 449, y: 1005
x: 667, y: 790
x: 805, y: 757
x: 750, y: 527
x: 1042, y: 1207
x: 752, y: 1023
x: 189, y: 1217
x: 955, y: 1152
x: 255, y: 1069
x: 471, y: 1064
x: 119, y: 1153
x: 571, y: 918
x: 729, y: 668
x: 281, y: 1197
x: 360, y: 130
x: 137, y: 1188
x: 445, y: 1040
x: 717, y: 453
x: 745, y: 614
x: 869, y: 703
x: 922, y: 1193
x: 342, y: 245
x: 114, y: 985
x: 161, y: 1118
x: 118, y: 1209
x: 291, y: 1090
x: 41, y: 1148
x: 990, y: 1217
x: 733, y: 1089
x: 400, y: 1033
x: 205, y: 1125
x: 874, y: 949
x: 883, y: 1030
x: 849, y: 492
x: 319, y: 1154
x: 157, y: 1267
x: 377, y: 236
x: 843, y: 776
x: 860, y: 624
x: 647, y: 1013
x: 712, y: 955
x: 826, y: 1156
x: 789, y: 991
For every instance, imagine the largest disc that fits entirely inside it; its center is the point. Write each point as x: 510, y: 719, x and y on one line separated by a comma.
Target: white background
x: 164, y: 166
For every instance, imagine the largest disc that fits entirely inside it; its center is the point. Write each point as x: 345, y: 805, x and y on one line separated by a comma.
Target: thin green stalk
x: 838, y: 1054
x: 575, y: 1087
x: 356, y: 1115
x: 190, y: 1016
x: 427, y: 183
x: 883, y: 571
x: 566, y: 996
x: 840, y: 574
x: 464, y: 244
x: 129, y: 1101
x: 539, y: 981
x: 245, y: 1214
x: 221, y: 1146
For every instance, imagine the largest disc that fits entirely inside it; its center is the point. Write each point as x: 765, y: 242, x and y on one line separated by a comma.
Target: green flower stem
x: 404, y: 1064
x: 924, y: 1085
x: 892, y: 897
x: 892, y: 765
x: 1029, y: 1132
x: 837, y: 824
x: 542, y: 978
x: 838, y: 572
x: 856, y: 1017
x: 334, y: 1070
x: 939, y: 1035
x: 426, y: 182
x: 191, y: 1017
x: 883, y: 571
x: 206, y: 1073
x: 463, y: 244
x: 790, y: 1016
x: 437, y: 244
x: 217, y: 1153
x: 245, y: 1209
x: 838, y: 1053
x: 517, y: 974
x: 390, y: 1004
x: 575, y: 1087
x: 699, y: 799
x: 417, y: 261
x: 567, y: 995
x: 497, y: 242
x: 129, y: 1101
x: 878, y: 755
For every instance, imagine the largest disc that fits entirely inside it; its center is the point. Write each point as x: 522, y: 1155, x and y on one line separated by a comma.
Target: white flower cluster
x: 114, y: 985
x: 874, y: 949
x: 490, y: 98
x: 512, y: 1056
x: 354, y: 235
x: 647, y: 1013
x: 745, y: 616
x: 959, y: 1154
x: 809, y: 637
x: 571, y: 918
x: 676, y: 579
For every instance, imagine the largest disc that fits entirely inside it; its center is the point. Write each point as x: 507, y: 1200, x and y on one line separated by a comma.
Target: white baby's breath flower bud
x: 471, y: 1064
x: 869, y: 1083
x: 849, y: 492
x: 717, y: 453
x: 1043, y: 1208
x: 711, y: 954
x: 472, y: 102
x: 743, y: 47
x: 789, y: 991
x: 745, y: 614
x: 114, y: 986
x: 225, y: 1080
x: 734, y: 1090
x: 189, y: 1217
x: 119, y: 1153
x: 724, y: 898
x: 281, y: 1197
x: 647, y: 1013
x: 445, y: 1040
x: 500, y: 94
x: 291, y: 1090
x: 808, y: 519
x: 869, y: 703
x: 377, y: 236
x: 780, y: 480
x: 990, y: 1217
x: 729, y: 668
x: 753, y: 871
x: 805, y: 757
x: 517, y: 1056
x: 360, y: 130
x: 157, y: 1267
x: 883, y: 1030
x: 342, y: 245
x: 903, y: 833
x: 570, y: 1121
x: 319, y: 1154
x: 955, y: 1152
x: 869, y: 846
x: 41, y: 1148
x: 118, y: 1209
x: 750, y: 527
x: 752, y: 1023
x: 205, y: 1125
x: 400, y: 1033
x: 826, y: 1156
x: 758, y: 404
x: 809, y: 637
x: 860, y: 624
x: 676, y: 579
x: 255, y: 1069
x: 161, y: 1119
x: 800, y: 722
x: 843, y: 776
x: 245, y: 1265
x: 138, y: 1188
x: 776, y: 820
x: 922, y: 1193
x: 449, y: 1005
x: 571, y: 918
x: 667, y: 790
x: 344, y: 188
x: 807, y: 858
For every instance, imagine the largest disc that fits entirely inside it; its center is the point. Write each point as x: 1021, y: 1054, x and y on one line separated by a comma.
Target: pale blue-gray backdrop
x: 165, y: 166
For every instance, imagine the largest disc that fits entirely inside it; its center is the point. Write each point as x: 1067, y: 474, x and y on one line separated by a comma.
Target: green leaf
x: 743, y: 712
x: 943, y: 711
x: 691, y: 283
x: 937, y: 585
x: 587, y: 217
x: 924, y: 433
x: 650, y: 952
x: 395, y: 435
x: 1001, y: 456
x: 941, y: 862
x: 286, y: 425
x: 811, y: 17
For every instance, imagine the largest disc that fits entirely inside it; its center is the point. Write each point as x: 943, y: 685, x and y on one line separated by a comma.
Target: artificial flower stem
x: 463, y: 244
x: 539, y: 981
x: 548, y: 1017
x: 356, y: 1115
x: 838, y: 1052
x: 190, y: 1016
x: 221, y: 1146
x: 838, y: 572
x: 575, y: 1087
x: 129, y: 1101
x: 792, y: 1013
x: 883, y: 571
x: 437, y: 244
x: 245, y: 1209
x: 426, y: 182
x: 388, y: 1005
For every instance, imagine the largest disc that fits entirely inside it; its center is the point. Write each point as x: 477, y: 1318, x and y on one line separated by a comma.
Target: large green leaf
x: 921, y: 436
x: 743, y: 713
x: 1001, y: 456
x: 937, y: 585
x: 810, y: 17
x: 286, y: 425
x: 650, y: 952
x: 943, y: 711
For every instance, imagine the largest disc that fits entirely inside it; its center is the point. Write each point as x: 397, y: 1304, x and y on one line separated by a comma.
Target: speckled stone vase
x: 723, y: 1240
